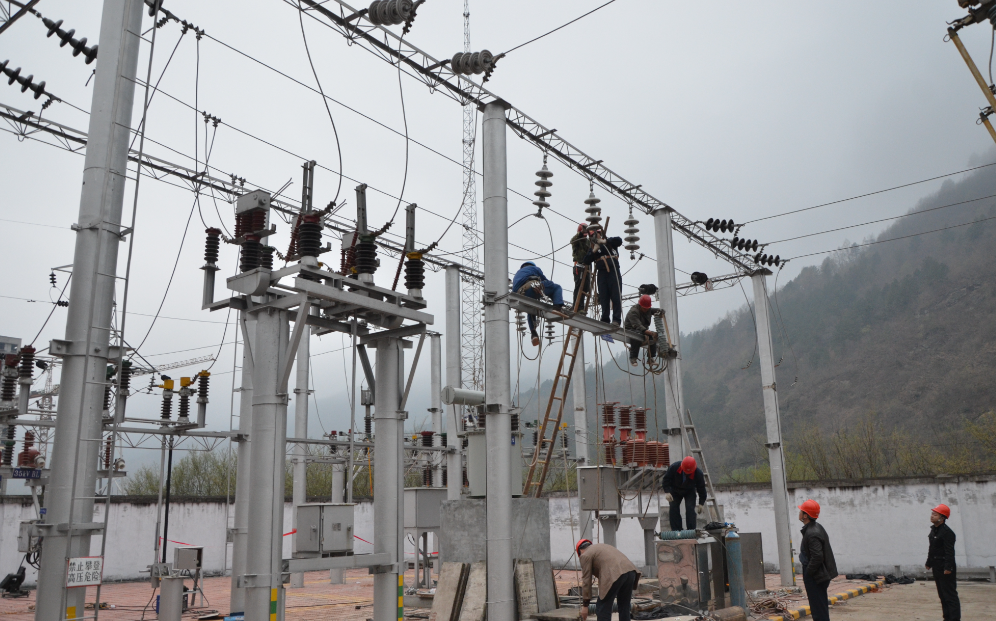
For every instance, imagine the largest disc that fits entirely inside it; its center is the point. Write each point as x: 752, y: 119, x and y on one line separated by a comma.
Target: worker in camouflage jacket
x: 639, y: 319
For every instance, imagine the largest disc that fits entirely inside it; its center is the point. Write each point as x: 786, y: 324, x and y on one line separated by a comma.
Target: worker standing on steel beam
x: 530, y: 282
x: 682, y: 481
x: 617, y: 579
x: 941, y: 559
x: 604, y: 255
x: 580, y: 247
x: 819, y: 566
x: 638, y: 320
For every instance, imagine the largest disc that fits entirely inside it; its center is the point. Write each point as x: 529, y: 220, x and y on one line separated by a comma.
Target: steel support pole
x: 266, y: 467
x: 773, y: 423
x: 674, y: 399
x: 497, y: 373
x: 388, y: 479
x: 436, y: 403
x: 69, y: 494
x: 337, y: 576
x: 240, y: 525
x: 454, y: 462
x: 585, y: 519
x: 301, y: 393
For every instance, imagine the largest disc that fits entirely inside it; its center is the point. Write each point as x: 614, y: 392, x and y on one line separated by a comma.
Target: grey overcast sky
x: 729, y: 109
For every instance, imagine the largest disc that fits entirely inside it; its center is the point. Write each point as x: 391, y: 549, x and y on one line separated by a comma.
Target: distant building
x: 9, y: 345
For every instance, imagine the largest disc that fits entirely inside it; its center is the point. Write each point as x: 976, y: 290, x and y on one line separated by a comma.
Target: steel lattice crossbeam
x: 439, y: 76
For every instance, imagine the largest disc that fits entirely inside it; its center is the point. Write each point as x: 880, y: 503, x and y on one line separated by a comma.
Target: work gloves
x: 669, y: 497
x: 698, y: 509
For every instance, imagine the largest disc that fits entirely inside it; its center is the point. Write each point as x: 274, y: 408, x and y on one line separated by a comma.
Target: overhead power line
x: 844, y: 200
x: 882, y: 241
x: 558, y: 28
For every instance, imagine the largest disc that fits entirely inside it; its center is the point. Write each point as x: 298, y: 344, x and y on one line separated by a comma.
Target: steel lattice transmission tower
x: 472, y: 345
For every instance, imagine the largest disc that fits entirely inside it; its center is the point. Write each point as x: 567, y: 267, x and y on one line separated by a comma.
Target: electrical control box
x: 27, y: 538
x: 422, y: 507
x: 683, y: 573
x: 257, y: 199
x: 188, y: 558
x: 325, y: 528
x: 477, y: 463
x: 598, y: 488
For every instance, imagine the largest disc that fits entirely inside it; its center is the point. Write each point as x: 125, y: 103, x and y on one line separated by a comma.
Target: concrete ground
x: 917, y: 602
x: 352, y: 601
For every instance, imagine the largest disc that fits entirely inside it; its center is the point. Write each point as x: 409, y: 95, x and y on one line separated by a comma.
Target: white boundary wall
x: 874, y: 525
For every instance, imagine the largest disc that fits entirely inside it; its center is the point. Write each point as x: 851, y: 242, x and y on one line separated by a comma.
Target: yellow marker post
x: 401, y: 597
x: 273, y: 604
x: 71, y: 612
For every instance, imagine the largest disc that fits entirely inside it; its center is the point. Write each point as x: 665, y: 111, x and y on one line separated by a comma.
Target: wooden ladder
x: 543, y: 453
x: 695, y: 448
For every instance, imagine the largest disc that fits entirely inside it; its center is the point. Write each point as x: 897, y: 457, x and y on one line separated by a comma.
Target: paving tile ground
x: 352, y: 601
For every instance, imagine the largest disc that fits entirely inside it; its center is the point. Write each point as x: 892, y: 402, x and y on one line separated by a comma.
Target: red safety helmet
x: 811, y: 508
x: 577, y: 548
x: 688, y: 465
x: 582, y: 227
x: 645, y: 302
x: 943, y: 510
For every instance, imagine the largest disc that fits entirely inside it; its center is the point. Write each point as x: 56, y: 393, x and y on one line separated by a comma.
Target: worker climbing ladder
x: 695, y: 449
x: 543, y: 453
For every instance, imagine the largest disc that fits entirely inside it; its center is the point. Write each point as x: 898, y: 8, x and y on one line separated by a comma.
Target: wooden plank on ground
x: 525, y: 589
x: 450, y: 590
x: 546, y: 588
x: 475, y: 599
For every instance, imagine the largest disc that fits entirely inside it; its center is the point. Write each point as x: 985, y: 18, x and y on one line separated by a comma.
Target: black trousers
x: 634, y: 349
x: 621, y: 592
x: 609, y: 295
x: 674, y: 513
x: 582, y: 282
x: 819, y: 604
x: 947, y: 590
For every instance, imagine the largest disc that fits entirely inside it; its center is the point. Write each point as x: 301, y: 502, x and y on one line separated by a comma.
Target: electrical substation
x: 479, y: 518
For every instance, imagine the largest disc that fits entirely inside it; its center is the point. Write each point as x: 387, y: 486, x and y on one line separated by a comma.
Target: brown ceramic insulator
x: 624, y: 417
x: 608, y: 414
x: 27, y: 361
x: 427, y: 438
x: 640, y: 453
x: 640, y: 419
x: 610, y: 454
x: 663, y: 455
x: 627, y: 452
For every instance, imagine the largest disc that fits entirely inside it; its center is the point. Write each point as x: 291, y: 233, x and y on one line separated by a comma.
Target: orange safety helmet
x: 577, y: 548
x: 943, y: 510
x: 688, y: 465
x: 811, y: 508
x: 644, y: 302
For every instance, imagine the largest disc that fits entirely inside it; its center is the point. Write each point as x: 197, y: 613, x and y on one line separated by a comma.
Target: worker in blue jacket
x: 531, y: 282
x: 604, y: 258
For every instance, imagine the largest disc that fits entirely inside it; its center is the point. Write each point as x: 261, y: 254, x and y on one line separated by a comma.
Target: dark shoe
x: 535, y: 341
x: 558, y: 307
x: 634, y: 361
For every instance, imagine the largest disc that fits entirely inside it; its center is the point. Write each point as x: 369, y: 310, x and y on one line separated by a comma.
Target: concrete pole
x: 69, y: 494
x: 301, y: 393
x: 240, y: 525
x: 454, y: 461
x: 338, y: 576
x: 674, y: 399
x: 388, y: 479
x: 266, y: 467
x: 773, y: 423
x: 435, y: 400
x: 497, y: 374
x: 585, y: 521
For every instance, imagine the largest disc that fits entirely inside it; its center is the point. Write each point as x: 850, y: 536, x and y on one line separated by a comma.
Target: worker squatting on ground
x: 638, y: 320
x: 941, y: 560
x: 604, y: 256
x: 580, y: 247
x: 530, y: 282
x: 819, y: 566
x: 682, y: 481
x: 617, y: 579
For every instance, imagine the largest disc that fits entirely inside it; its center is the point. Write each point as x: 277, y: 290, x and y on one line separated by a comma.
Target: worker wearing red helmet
x: 819, y: 566
x: 617, y: 579
x: 639, y: 319
x: 941, y: 559
x: 682, y: 481
x: 580, y: 247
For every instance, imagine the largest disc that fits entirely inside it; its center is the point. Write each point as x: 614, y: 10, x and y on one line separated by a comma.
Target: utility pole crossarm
x: 439, y: 76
